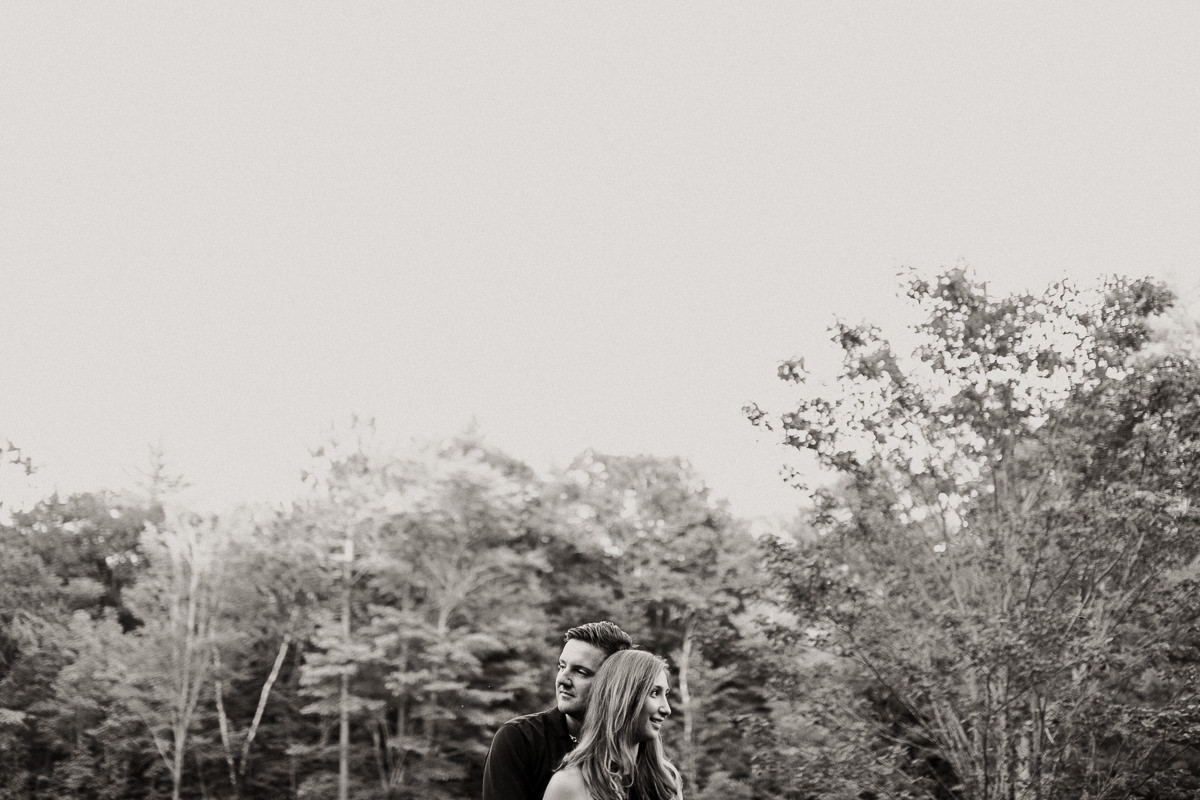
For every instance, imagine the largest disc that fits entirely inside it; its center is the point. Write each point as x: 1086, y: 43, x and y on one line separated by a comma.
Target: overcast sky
x: 225, y: 226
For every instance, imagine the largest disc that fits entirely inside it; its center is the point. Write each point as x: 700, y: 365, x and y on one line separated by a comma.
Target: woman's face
x: 655, y: 709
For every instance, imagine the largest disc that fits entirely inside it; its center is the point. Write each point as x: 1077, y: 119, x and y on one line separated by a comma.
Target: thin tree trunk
x: 262, y: 697
x: 378, y: 733
x: 177, y: 770
x: 400, y: 757
x: 686, y: 701
x: 236, y: 763
x: 185, y: 664
x: 1036, y: 744
x: 223, y: 725
x: 344, y: 705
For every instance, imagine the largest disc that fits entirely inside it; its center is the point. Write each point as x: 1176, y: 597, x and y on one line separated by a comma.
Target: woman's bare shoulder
x: 566, y: 784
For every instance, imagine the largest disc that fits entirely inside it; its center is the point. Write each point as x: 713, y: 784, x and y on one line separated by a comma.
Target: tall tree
x: 434, y: 577
x: 1010, y: 499
x: 99, y: 745
x: 32, y: 617
x: 90, y: 539
x: 57, y: 557
x: 265, y: 614
x: 168, y: 660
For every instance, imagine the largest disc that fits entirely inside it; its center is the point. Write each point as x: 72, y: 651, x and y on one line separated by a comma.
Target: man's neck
x: 573, y: 725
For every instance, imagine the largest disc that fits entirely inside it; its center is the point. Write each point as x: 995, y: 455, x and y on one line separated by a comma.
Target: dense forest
x: 992, y: 592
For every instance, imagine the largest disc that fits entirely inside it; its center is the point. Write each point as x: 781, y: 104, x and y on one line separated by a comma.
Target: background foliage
x: 994, y: 594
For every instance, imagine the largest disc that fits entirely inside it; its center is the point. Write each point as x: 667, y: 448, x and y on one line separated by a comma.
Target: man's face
x: 576, y: 668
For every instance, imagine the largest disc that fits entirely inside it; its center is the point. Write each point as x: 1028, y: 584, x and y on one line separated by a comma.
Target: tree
x: 64, y: 565
x: 1011, y: 498
x: 99, y: 746
x: 92, y: 539
x: 168, y: 661
x: 266, y: 612
x: 416, y: 651
x: 32, y: 613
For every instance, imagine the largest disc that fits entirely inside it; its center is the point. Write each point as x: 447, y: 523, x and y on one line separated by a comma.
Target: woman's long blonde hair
x: 609, y: 756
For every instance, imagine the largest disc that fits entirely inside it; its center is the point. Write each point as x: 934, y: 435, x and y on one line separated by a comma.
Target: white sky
x: 225, y: 226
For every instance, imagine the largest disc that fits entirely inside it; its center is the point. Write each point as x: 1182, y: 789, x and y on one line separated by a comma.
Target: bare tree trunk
x: 688, y: 704
x: 1037, y: 713
x: 262, y: 698
x: 236, y: 762
x: 223, y: 725
x: 400, y: 758
x: 193, y: 556
x: 379, y: 738
x: 177, y: 772
x: 344, y: 709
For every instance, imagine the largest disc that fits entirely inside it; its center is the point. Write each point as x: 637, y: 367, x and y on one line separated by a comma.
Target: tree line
x: 993, y: 593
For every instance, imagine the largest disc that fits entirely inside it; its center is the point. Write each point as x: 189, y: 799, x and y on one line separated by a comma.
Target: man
x: 526, y: 750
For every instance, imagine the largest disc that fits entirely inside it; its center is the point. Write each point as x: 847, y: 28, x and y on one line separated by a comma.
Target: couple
x: 601, y: 741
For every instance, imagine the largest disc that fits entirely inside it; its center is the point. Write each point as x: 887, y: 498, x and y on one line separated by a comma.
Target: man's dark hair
x: 604, y: 635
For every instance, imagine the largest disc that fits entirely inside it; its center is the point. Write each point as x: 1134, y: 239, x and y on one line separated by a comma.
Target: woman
x: 619, y: 755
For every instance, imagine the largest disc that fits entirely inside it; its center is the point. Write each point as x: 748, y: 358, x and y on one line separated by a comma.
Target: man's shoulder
x: 549, y: 720
x: 524, y: 753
